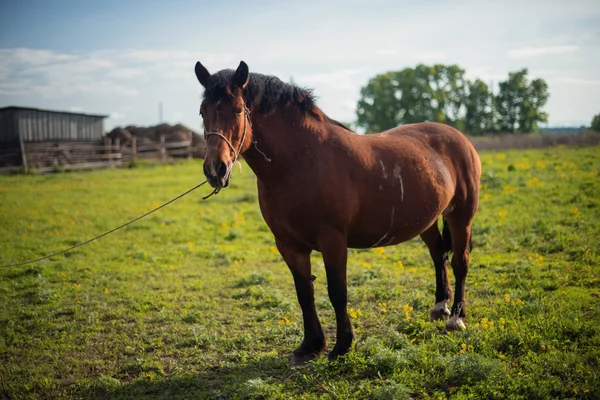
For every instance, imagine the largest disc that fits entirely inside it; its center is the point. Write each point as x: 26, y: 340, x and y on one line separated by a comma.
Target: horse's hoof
x: 455, y: 324
x: 439, y: 311
x: 300, y: 360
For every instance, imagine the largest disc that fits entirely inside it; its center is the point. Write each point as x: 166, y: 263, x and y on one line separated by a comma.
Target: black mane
x: 265, y: 93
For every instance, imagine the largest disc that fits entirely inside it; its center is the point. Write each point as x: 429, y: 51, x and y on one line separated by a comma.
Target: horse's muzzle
x: 217, y: 178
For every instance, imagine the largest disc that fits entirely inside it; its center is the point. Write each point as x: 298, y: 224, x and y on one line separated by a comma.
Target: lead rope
x: 106, y: 233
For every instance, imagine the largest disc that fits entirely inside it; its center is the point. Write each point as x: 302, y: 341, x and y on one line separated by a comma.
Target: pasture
x: 195, y: 301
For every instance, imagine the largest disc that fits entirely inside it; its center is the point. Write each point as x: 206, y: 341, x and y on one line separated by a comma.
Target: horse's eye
x: 238, y: 111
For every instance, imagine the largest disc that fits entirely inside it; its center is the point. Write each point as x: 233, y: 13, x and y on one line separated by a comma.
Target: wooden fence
x: 50, y: 156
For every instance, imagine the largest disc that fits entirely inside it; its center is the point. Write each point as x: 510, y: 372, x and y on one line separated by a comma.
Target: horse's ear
x: 240, y: 78
x: 202, y: 73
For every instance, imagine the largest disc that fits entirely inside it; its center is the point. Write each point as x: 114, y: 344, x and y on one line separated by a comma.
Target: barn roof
x: 52, y: 111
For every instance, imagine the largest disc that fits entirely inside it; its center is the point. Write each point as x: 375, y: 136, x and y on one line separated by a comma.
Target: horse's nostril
x: 206, y: 173
x: 222, y: 170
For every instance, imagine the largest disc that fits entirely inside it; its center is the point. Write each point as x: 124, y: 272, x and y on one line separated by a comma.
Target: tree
x: 478, y: 108
x: 377, y: 108
x: 595, y: 123
x: 419, y: 94
x: 448, y: 87
x: 519, y: 103
x: 440, y: 93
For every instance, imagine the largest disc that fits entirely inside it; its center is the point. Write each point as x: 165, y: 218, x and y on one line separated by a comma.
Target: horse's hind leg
x: 460, y: 231
x: 439, y: 253
x: 298, y: 260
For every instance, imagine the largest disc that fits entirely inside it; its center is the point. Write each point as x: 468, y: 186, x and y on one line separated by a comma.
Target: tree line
x: 441, y: 93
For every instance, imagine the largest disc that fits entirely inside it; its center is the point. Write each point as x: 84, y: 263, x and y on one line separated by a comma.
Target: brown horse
x: 323, y: 187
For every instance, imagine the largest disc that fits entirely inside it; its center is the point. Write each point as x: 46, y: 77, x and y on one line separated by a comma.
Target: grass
x: 195, y: 301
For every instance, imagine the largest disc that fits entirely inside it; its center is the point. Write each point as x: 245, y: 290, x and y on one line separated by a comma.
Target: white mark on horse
x: 398, y: 175
x: 440, y: 310
x: 383, y: 167
x: 389, y: 230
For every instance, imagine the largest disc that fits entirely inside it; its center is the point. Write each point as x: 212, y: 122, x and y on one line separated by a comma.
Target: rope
x: 105, y: 233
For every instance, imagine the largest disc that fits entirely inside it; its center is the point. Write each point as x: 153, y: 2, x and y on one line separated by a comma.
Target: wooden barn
x: 46, y: 139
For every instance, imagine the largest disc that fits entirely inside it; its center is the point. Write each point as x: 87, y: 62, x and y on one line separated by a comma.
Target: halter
x: 236, y: 154
x: 218, y: 134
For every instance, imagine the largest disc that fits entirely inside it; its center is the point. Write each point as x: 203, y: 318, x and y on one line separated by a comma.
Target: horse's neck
x: 282, y: 142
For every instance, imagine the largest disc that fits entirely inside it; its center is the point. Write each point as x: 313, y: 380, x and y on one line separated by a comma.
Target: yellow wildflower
x: 379, y: 251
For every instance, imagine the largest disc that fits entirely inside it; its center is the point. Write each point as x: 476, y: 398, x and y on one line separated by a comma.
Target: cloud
x: 32, y: 56
x: 126, y: 73
x: 54, y: 74
x: 340, y: 79
x: 526, y: 52
x: 116, y: 115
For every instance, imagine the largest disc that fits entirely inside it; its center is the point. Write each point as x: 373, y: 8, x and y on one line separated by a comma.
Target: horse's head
x: 227, y: 128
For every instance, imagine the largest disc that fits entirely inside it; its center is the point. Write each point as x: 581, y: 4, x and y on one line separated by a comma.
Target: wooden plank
x: 70, y: 147
x: 91, y: 165
x: 179, y: 152
x: 10, y: 169
x: 23, y: 153
x: 175, y: 145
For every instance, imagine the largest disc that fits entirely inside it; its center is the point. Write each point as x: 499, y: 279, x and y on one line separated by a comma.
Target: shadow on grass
x: 248, y: 380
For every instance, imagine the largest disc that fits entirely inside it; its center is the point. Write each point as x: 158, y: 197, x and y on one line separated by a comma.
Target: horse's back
x: 445, y: 140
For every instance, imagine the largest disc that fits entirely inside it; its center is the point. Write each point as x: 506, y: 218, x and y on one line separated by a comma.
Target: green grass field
x: 195, y: 301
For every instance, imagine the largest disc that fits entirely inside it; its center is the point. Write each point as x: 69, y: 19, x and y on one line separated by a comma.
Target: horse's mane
x: 266, y: 92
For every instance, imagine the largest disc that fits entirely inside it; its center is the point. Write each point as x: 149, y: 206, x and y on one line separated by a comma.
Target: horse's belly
x: 385, y: 235
x: 392, y: 222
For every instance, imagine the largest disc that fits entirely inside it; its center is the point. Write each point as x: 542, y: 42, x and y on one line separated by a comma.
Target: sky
x: 123, y: 58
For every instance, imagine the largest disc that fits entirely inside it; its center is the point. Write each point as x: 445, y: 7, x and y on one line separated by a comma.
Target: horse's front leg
x: 298, y: 260
x: 334, y: 248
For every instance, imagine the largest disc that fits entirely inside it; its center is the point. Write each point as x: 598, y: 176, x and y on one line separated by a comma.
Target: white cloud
x: 126, y: 73
x: 33, y: 56
x: 340, y: 79
x: 526, y: 52
x: 116, y: 115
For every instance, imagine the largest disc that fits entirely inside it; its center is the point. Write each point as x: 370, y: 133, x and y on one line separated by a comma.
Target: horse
x: 322, y: 187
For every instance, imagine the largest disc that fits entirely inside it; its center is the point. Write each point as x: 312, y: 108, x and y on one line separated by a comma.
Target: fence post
x: 133, y: 148
x: 163, y: 150
x: 118, y: 151
x: 23, y: 153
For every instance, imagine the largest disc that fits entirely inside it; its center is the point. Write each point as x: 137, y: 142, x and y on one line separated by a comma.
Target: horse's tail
x: 447, y: 239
